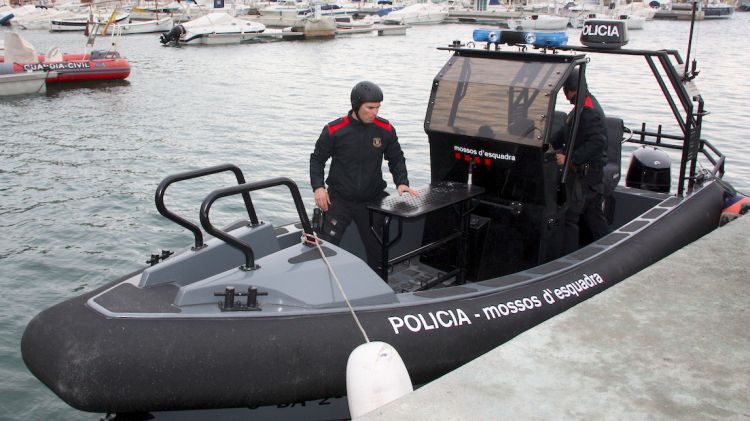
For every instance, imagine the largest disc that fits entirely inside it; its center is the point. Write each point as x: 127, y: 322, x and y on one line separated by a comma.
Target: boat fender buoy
x: 375, y: 375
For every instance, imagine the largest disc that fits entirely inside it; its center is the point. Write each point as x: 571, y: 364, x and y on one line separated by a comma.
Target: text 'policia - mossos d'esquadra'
x: 450, y: 318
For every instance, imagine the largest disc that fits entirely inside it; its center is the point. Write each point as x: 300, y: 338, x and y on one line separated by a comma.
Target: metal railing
x: 162, y: 188
x: 244, y: 189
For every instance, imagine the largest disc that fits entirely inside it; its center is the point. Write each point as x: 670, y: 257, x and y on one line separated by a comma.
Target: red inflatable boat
x: 99, y: 65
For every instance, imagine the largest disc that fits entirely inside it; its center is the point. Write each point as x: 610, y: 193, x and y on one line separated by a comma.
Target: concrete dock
x: 671, y: 342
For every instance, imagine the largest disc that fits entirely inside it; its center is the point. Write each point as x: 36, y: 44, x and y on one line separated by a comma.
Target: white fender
x: 375, y: 375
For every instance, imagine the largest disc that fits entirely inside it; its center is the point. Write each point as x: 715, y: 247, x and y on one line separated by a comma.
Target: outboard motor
x: 649, y: 170
x: 173, y: 35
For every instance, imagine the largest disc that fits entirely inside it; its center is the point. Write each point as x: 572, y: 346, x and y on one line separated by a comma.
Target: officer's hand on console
x: 403, y: 188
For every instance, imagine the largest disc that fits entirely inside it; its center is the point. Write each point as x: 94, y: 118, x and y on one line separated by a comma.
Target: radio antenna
x: 690, y: 40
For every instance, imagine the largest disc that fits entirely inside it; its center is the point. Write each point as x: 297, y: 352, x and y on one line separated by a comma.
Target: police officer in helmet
x: 585, y: 178
x: 356, y: 145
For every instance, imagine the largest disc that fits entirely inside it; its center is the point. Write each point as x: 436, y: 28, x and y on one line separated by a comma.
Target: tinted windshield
x: 498, y: 99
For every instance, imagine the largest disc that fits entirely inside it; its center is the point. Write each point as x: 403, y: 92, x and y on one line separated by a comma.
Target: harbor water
x: 79, y: 166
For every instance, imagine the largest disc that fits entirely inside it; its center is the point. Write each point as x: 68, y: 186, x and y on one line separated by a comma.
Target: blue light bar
x: 487, y: 35
x: 537, y: 39
x: 550, y: 39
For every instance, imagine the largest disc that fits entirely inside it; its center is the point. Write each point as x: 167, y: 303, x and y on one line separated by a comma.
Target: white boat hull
x: 34, y: 24
x: 632, y: 21
x: 143, y: 27
x: 540, y: 23
x: 219, y: 39
x: 80, y: 22
x: 348, y: 22
x: 417, y: 20
x: 215, y: 28
x: 23, y: 83
x: 40, y: 18
x: 417, y: 14
x: 635, y: 22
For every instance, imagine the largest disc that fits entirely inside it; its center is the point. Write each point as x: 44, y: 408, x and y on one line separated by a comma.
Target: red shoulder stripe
x: 588, y: 102
x: 332, y: 129
x: 382, y: 124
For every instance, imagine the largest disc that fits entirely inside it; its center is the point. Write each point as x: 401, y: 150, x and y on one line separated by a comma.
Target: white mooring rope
x: 336, y: 278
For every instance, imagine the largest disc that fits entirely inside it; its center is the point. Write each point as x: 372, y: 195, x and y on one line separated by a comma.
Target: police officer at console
x: 585, y: 182
x: 357, y: 144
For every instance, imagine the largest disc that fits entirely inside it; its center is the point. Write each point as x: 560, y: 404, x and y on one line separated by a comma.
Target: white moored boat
x: 285, y: 13
x: 23, y: 83
x: 16, y: 49
x: 539, y: 23
x: 139, y: 27
x: 214, y: 28
x: 40, y: 18
x: 80, y: 21
x: 632, y: 21
x: 416, y: 14
x: 351, y: 22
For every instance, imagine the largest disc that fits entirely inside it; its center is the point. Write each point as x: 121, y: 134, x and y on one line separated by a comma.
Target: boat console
x: 435, y: 198
x: 490, y: 122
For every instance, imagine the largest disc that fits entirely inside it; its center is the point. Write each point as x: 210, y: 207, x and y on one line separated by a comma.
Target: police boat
x: 253, y: 318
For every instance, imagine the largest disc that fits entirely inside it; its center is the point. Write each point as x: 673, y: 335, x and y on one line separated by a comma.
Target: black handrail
x: 162, y: 188
x: 689, y: 124
x: 244, y: 189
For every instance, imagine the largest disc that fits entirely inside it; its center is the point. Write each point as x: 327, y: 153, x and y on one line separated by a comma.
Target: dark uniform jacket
x: 357, y: 150
x: 591, y: 139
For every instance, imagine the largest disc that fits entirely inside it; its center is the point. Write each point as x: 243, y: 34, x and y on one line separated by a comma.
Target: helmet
x: 571, y: 83
x: 365, y: 92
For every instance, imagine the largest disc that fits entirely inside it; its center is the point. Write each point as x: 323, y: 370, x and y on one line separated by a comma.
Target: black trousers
x: 585, y: 208
x: 341, y: 213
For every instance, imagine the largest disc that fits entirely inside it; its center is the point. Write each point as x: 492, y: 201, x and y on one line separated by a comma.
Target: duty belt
x: 587, y: 168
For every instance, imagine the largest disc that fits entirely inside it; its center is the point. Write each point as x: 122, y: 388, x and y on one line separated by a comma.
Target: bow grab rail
x: 245, y: 189
x: 169, y: 180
